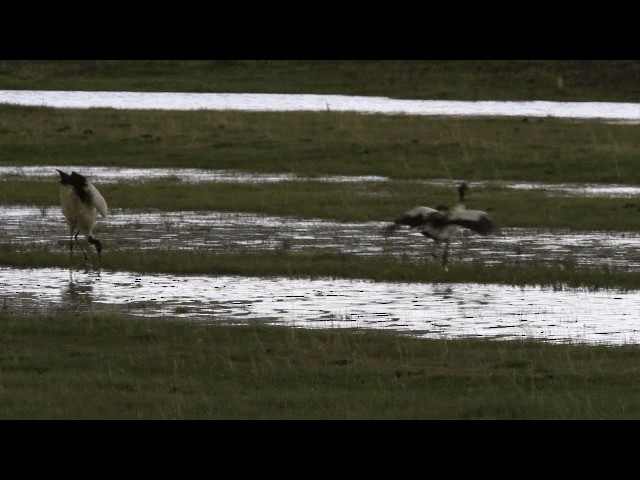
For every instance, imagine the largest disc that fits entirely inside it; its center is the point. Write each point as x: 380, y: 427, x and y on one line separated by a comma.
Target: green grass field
x: 401, y: 147
x: 104, y: 367
x: 573, y: 80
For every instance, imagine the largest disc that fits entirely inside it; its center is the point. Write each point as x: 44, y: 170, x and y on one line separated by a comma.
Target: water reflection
x: 628, y: 112
x: 125, y: 230
x: 78, y: 290
x: 424, y: 310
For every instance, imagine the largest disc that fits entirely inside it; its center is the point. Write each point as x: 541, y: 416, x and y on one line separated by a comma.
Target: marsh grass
x: 363, y: 202
x: 566, y: 80
x: 324, y: 143
x: 111, y: 367
x: 309, y: 264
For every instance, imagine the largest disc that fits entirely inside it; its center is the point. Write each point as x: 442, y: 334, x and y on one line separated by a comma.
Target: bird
x: 443, y: 223
x: 79, y: 199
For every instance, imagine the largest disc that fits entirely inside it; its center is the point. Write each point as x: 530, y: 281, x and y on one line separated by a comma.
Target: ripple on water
x: 425, y: 310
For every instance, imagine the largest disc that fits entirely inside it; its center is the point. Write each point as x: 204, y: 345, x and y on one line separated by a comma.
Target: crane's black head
x: 78, y: 183
x: 75, y: 179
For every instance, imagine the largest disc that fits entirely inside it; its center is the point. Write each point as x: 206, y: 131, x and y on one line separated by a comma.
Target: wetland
x: 226, y: 226
x: 586, y: 233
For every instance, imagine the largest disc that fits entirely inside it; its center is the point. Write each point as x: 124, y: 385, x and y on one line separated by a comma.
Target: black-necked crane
x: 442, y: 224
x: 79, y: 199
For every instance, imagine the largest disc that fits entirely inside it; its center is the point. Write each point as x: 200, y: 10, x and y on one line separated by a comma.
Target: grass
x: 362, y: 202
x: 308, y: 264
x: 106, y: 367
x: 563, y: 80
x: 325, y: 143
x: 403, y: 148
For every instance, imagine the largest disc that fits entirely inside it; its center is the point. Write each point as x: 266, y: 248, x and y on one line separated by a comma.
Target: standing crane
x: 79, y: 199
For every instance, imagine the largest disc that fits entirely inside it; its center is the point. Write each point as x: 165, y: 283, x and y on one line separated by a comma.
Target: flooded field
x: 428, y: 310
x: 424, y: 310
x: 219, y: 231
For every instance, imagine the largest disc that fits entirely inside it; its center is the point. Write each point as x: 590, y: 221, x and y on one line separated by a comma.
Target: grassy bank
x: 103, y: 367
x: 365, y: 202
x: 326, y: 143
x: 574, y: 80
x: 325, y: 264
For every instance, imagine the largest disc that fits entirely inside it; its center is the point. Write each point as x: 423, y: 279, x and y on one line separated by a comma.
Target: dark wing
x: 476, y: 220
x: 419, y: 216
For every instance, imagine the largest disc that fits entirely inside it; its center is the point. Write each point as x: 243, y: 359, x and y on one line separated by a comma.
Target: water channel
x: 615, y: 112
x: 194, y: 175
x: 426, y: 310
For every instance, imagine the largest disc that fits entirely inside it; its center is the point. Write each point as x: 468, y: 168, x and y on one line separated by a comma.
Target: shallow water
x: 627, y: 112
x: 125, y: 230
x: 186, y: 175
x: 193, y: 175
x: 424, y: 310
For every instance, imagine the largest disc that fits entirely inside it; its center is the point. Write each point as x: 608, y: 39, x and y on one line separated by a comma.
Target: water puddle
x: 125, y: 230
x: 611, y: 190
x: 423, y: 310
x: 193, y: 175
x: 619, y: 112
x: 578, y: 189
x: 187, y: 175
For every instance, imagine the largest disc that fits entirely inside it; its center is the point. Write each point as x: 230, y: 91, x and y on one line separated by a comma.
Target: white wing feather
x: 98, y: 200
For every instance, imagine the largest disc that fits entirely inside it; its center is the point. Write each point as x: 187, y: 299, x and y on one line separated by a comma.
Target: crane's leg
x: 445, y: 255
x: 434, y: 254
x: 83, y: 252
